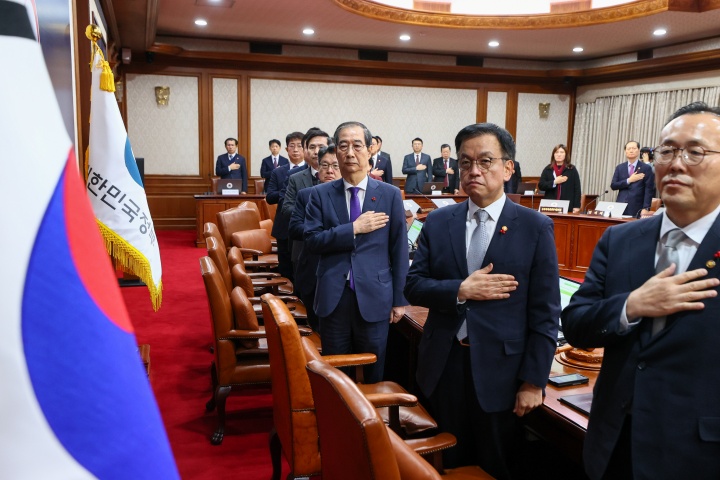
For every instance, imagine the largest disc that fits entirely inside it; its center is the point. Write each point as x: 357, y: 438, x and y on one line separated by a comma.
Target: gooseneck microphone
x: 424, y: 196
x: 595, y: 200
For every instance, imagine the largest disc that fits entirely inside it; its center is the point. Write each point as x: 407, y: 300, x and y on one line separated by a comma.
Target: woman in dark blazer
x: 560, y: 180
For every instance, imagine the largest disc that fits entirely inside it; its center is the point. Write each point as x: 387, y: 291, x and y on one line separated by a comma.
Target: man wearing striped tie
x: 487, y: 270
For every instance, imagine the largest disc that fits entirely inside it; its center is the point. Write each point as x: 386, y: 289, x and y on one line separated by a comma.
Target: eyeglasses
x: 691, y: 156
x: 484, y: 164
x: 328, y: 166
x: 295, y: 146
x: 345, y: 146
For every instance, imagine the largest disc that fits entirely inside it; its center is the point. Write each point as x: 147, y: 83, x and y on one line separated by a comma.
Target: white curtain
x: 602, y: 129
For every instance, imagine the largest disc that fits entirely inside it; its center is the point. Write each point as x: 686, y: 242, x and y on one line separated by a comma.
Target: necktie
x: 316, y: 178
x: 476, y: 254
x: 417, y: 160
x: 274, y: 162
x: 668, y: 255
x: 447, y: 180
x: 355, y: 211
x: 631, y: 169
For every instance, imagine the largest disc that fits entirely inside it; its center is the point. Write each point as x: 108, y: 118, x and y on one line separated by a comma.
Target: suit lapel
x: 337, y: 197
x: 372, y: 196
x: 498, y: 241
x: 642, y: 247
x: 456, y: 229
x: 706, y: 251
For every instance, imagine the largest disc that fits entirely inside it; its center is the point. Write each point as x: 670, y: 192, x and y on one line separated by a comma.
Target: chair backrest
x: 259, y: 186
x: 524, y: 186
x: 219, y: 258
x: 236, y: 220
x: 241, y: 279
x: 515, y: 197
x: 214, y: 184
x: 355, y: 444
x: 257, y: 239
x: 655, y: 204
x: 211, y: 230
x: 249, y: 205
x: 270, y: 210
x: 293, y: 406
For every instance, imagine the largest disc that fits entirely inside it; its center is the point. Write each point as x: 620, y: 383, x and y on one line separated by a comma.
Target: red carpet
x: 179, y: 336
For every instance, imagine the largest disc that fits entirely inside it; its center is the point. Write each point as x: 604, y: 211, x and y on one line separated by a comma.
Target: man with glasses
x: 276, y: 195
x: 487, y: 270
x: 635, y: 181
x: 650, y: 299
x: 357, y: 226
x: 306, y: 263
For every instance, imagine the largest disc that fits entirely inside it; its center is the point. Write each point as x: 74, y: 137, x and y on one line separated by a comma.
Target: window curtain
x: 602, y: 129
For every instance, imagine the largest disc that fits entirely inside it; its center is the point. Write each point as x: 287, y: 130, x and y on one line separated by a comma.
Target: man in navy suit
x: 357, y: 226
x: 380, y: 161
x: 635, y: 181
x: 417, y: 166
x: 306, y: 263
x: 445, y: 170
x: 512, y: 185
x: 487, y: 270
x: 271, y: 162
x: 276, y: 195
x: 650, y: 297
x: 231, y: 164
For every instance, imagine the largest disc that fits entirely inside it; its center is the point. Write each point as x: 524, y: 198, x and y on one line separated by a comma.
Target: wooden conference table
x: 556, y: 423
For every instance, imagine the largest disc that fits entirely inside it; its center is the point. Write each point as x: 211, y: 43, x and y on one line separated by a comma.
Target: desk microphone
x: 595, y: 200
x: 425, y: 197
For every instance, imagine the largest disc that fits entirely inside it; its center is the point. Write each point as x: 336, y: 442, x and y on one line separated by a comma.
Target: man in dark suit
x: 650, y: 297
x: 313, y: 141
x: 357, y: 226
x: 271, y: 162
x: 231, y: 164
x: 445, y: 170
x: 380, y: 161
x: 306, y: 263
x: 635, y: 181
x: 487, y: 270
x: 511, y: 186
x: 417, y: 167
x: 276, y: 194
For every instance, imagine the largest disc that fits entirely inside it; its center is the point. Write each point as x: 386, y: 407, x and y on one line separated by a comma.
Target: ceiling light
x: 309, y: 31
x: 578, y: 49
x: 404, y: 37
x: 659, y: 32
x: 200, y: 22
x: 493, y: 43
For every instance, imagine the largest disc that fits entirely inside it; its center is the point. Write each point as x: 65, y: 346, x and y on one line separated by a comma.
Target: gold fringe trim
x: 107, y: 80
x: 131, y: 260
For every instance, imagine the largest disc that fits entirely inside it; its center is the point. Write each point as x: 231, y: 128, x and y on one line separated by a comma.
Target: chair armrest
x: 256, y: 264
x: 380, y: 400
x: 288, y: 298
x: 243, y: 334
x: 256, y: 300
x: 350, y: 360
x: 263, y: 275
x: 427, y: 446
x: 305, y: 331
x: 272, y: 282
x: 250, y: 252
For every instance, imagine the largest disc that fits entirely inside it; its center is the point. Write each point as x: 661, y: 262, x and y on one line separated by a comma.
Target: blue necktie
x: 355, y: 211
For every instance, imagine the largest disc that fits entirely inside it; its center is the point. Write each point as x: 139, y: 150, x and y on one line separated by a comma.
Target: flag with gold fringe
x: 115, y: 189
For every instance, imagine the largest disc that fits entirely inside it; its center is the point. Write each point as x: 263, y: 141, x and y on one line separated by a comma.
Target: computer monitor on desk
x: 433, y: 188
x: 229, y: 186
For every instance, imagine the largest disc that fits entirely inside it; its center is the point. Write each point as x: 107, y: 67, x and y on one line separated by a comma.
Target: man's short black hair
x: 344, y: 125
x: 275, y: 141
x: 417, y: 139
x: 444, y: 145
x: 632, y: 141
x: 507, y: 144
x: 312, y: 133
x: 293, y: 136
x: 233, y: 139
x: 693, y: 108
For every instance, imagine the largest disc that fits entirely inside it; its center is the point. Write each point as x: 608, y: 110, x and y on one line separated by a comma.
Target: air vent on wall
x: 377, y: 55
x: 469, y: 61
x: 268, y: 48
x: 645, y: 54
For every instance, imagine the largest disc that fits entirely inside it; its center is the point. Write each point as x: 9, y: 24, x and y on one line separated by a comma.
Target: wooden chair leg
x: 275, y: 454
x: 221, y: 394
x: 210, y: 405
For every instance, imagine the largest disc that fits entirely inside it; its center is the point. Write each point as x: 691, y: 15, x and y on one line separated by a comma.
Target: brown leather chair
x: 263, y: 282
x: 295, y: 431
x: 268, y: 211
x: 265, y: 224
x: 211, y: 230
x: 214, y: 184
x: 259, y: 186
x: 355, y: 444
x: 239, y: 358
x: 515, y: 197
x: 254, y: 244
x: 655, y: 203
x: 243, y: 217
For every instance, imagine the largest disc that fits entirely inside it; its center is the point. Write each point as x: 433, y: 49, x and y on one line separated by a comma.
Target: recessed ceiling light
x: 659, y: 32
x: 493, y: 43
x: 404, y: 37
x: 200, y: 22
x: 578, y: 49
x: 309, y: 31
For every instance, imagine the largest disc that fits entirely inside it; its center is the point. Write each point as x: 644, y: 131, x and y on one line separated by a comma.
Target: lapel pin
x: 710, y: 263
x: 503, y: 230
x: 373, y: 199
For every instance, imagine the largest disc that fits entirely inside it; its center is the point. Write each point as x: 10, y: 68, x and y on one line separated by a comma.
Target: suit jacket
x: 416, y: 178
x: 266, y: 167
x: 379, y: 259
x: 512, y: 185
x: 383, y: 163
x: 439, y: 173
x: 570, y: 189
x: 306, y: 263
x: 638, y: 195
x: 296, y: 183
x: 512, y: 340
x: 669, y: 383
x: 276, y: 194
x: 222, y: 168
